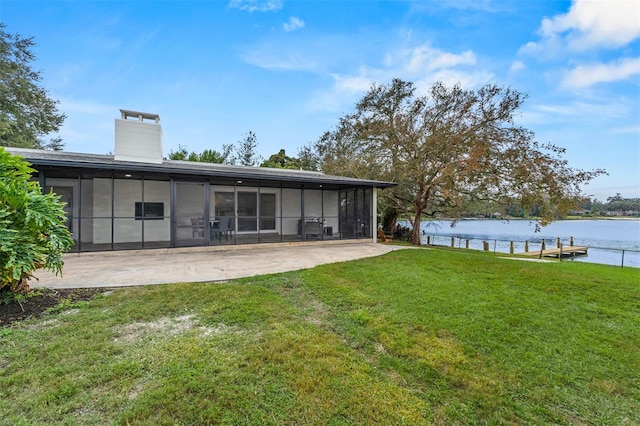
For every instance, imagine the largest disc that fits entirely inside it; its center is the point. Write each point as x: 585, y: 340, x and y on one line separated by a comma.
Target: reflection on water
x: 607, y: 240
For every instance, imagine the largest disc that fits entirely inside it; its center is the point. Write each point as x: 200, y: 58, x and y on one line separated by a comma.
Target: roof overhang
x: 67, y: 160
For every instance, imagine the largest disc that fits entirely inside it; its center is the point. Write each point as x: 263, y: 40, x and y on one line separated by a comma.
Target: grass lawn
x: 413, y: 337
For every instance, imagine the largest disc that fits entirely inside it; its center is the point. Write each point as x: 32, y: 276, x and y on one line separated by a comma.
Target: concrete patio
x: 200, y: 264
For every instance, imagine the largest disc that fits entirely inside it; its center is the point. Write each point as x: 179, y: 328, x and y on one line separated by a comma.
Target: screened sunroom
x: 134, y: 200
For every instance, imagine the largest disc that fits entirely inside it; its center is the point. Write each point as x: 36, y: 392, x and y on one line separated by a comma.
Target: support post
x: 428, y: 240
x: 452, y: 242
x: 571, y: 241
x: 511, y: 247
x: 560, y: 247
x: 526, y: 246
x: 558, y: 242
x: 466, y: 244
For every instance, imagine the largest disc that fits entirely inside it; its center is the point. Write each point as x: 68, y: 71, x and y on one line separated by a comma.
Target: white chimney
x: 137, y: 140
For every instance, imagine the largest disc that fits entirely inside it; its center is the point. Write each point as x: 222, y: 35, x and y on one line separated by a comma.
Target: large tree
x: 448, y: 148
x: 27, y: 113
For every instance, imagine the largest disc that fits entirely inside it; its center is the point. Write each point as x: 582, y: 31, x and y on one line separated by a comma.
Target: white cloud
x: 427, y: 59
x: 425, y: 65
x: 89, y: 125
x: 293, y: 24
x: 345, y: 91
x: 422, y: 65
x: 633, y: 129
x: 490, y: 6
x: 588, y: 75
x: 289, y: 61
x: 256, y: 5
x: 69, y: 106
x: 578, y: 112
x: 516, y: 66
x: 593, y: 24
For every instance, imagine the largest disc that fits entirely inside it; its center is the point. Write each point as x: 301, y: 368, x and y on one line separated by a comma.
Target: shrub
x: 33, y: 230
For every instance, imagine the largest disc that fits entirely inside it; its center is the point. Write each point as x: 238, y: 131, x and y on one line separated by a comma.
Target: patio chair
x: 214, y: 229
x: 226, y: 227
x: 197, y: 227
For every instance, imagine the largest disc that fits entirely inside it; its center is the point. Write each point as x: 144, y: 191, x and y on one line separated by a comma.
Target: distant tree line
x: 244, y: 153
x: 586, y: 207
x: 614, y: 206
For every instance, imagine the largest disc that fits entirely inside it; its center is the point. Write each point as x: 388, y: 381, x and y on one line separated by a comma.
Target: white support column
x: 374, y: 219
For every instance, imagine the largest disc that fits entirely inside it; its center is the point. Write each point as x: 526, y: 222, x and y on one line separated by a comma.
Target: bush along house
x: 134, y: 199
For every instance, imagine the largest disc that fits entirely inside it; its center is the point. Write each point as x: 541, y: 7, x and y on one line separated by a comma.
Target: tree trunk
x: 416, y: 239
x: 389, y: 219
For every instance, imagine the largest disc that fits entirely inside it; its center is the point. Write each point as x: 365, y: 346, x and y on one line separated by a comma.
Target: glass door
x: 247, y: 211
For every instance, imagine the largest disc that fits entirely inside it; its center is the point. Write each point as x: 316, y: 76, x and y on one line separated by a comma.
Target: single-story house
x: 134, y: 199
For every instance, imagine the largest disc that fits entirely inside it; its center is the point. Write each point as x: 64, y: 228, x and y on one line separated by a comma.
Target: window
x: 224, y: 204
x: 254, y: 210
x: 150, y: 211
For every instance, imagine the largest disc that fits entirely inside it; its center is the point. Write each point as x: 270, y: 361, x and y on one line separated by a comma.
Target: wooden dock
x: 566, y: 251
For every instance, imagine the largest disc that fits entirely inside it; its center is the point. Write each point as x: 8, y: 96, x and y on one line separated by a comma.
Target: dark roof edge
x: 106, y: 162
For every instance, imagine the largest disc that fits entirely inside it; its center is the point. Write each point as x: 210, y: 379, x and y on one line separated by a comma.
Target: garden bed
x: 40, y: 300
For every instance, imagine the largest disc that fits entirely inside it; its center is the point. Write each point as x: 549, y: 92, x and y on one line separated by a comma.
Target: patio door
x: 191, y: 224
x: 256, y: 211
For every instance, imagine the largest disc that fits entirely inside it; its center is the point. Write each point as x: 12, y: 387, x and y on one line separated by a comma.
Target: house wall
x: 102, y: 211
x: 86, y: 211
x: 126, y: 227
x: 291, y: 210
x: 158, y: 192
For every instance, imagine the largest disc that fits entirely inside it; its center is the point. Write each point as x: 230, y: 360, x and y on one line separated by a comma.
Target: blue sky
x: 288, y: 69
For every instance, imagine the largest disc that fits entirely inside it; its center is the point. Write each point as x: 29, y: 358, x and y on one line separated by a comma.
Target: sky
x: 287, y: 70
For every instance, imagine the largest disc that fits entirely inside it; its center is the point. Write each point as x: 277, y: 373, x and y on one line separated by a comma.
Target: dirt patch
x: 41, y: 300
x: 168, y: 327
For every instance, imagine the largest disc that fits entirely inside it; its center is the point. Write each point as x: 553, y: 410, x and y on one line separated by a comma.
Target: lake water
x: 608, y: 240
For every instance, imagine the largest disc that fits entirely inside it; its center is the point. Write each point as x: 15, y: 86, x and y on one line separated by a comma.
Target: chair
x: 226, y: 227
x: 222, y: 226
x: 214, y: 229
x: 197, y: 227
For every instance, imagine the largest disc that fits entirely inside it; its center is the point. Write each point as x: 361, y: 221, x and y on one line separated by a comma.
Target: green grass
x: 412, y: 337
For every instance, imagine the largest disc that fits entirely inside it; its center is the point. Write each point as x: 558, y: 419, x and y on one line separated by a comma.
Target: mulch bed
x: 44, y: 299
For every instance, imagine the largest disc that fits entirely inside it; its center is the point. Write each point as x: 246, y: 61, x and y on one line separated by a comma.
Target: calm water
x: 606, y: 239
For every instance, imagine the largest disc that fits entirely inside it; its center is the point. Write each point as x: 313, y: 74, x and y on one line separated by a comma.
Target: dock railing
x: 562, y: 250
